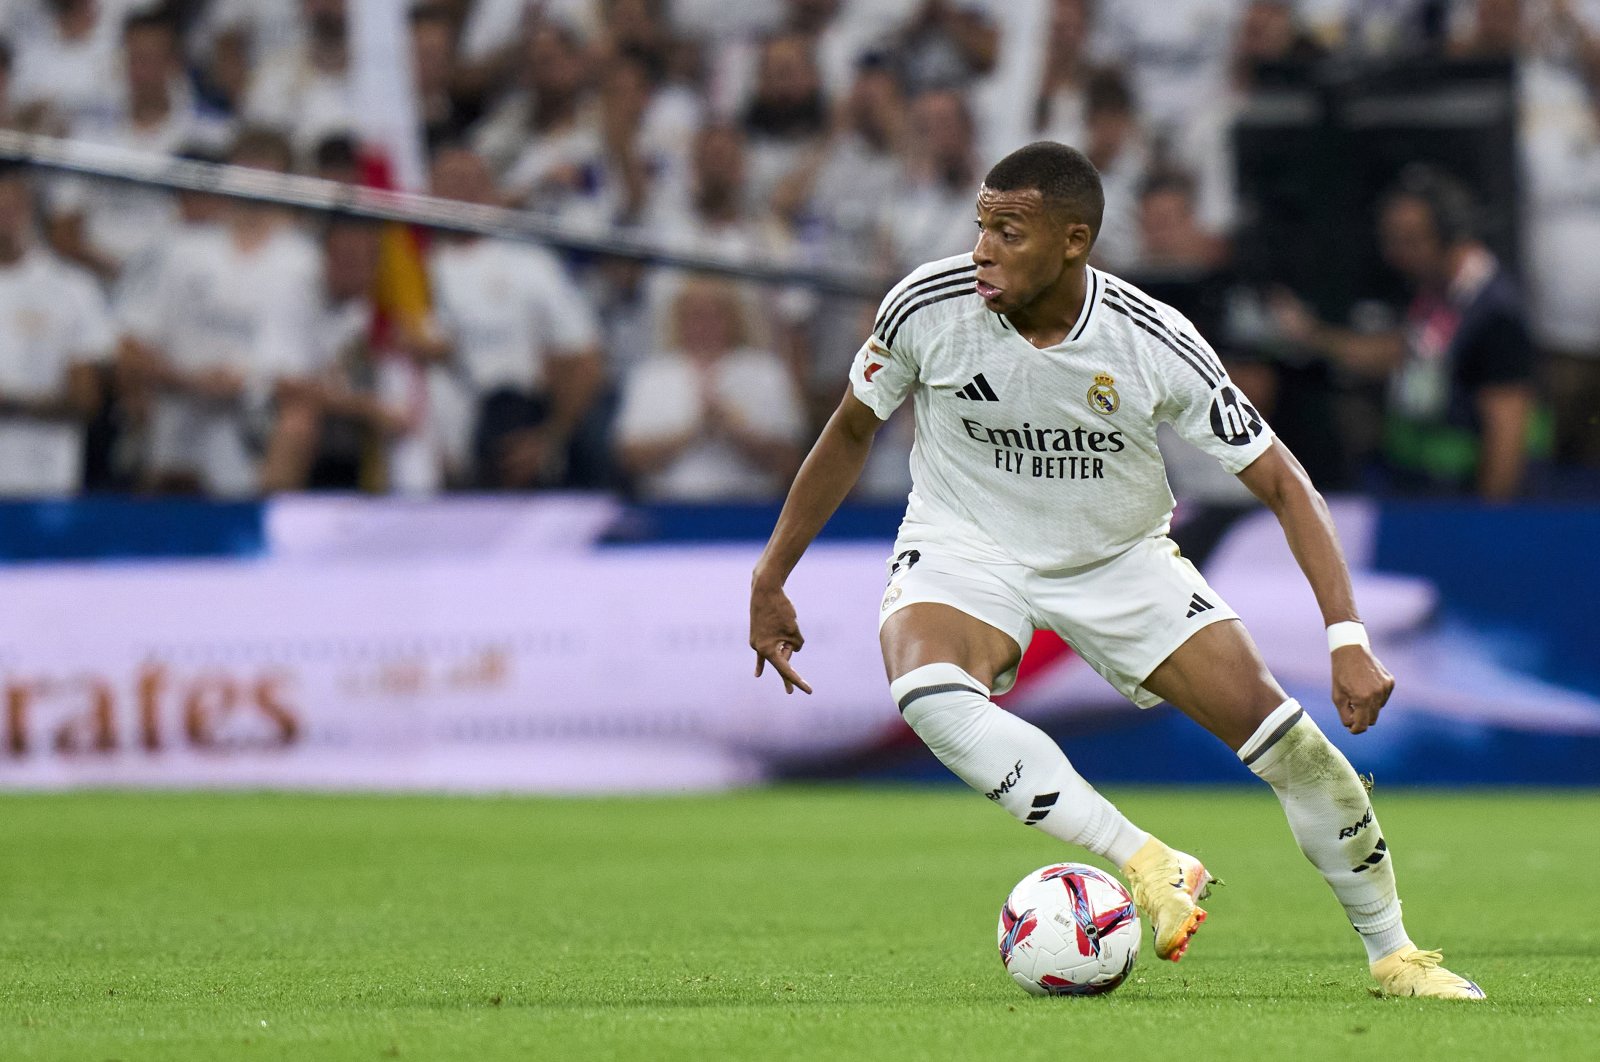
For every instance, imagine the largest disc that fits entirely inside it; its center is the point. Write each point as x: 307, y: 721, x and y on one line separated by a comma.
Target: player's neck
x: 1048, y: 319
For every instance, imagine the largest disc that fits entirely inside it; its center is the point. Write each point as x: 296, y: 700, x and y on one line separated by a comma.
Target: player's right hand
x: 1361, y: 687
x: 775, y: 635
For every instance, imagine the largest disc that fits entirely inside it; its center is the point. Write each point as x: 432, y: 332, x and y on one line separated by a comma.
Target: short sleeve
x: 1205, y: 406
x: 1500, y: 353
x: 881, y: 376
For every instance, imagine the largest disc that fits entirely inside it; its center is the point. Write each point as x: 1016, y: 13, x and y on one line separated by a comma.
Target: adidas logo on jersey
x: 978, y: 391
x: 1197, y: 605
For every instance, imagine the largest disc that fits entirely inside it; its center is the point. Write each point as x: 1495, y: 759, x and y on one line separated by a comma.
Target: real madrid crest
x: 1103, y: 397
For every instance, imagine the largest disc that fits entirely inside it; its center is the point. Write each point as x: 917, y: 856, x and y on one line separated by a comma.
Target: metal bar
x: 313, y: 193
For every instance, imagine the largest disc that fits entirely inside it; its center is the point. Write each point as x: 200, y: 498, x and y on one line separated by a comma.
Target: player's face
x: 1023, y: 248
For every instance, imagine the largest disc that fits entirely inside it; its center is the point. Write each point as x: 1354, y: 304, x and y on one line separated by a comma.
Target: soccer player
x: 1040, y: 501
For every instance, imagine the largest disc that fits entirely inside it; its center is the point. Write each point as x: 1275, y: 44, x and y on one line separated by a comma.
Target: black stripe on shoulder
x: 920, y: 287
x: 1088, y: 311
x: 1188, y: 359
x: 892, y: 323
x: 926, y: 302
x: 1135, y: 302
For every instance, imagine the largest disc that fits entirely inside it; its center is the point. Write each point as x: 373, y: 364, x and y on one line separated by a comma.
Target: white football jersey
x: 1048, y: 456
x: 507, y: 307
x: 52, y: 317
x: 208, y: 304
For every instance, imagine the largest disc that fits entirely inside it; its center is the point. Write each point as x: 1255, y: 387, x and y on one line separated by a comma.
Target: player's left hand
x: 1361, y: 687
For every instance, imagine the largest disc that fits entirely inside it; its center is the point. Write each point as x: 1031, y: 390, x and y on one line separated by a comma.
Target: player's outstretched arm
x: 829, y: 471
x: 1361, y: 685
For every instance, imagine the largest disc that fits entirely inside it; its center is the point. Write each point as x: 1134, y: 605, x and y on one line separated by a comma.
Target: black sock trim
x: 1276, y: 736
x: 948, y: 687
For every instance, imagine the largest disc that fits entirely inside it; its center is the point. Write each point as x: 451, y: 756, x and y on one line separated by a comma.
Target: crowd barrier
x: 575, y: 644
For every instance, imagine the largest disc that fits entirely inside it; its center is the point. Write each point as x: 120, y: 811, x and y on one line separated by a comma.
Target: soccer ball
x: 1069, y: 930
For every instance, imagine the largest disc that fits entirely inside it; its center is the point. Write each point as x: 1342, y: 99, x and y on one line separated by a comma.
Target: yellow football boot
x: 1165, y: 884
x: 1412, y: 972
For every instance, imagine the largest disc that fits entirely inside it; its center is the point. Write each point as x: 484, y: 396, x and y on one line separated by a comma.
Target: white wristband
x: 1347, y: 632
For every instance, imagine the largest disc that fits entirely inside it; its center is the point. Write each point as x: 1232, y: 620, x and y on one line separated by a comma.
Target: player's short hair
x: 1063, y: 176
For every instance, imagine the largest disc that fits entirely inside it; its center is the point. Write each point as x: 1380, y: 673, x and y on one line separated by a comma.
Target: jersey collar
x: 1094, y: 288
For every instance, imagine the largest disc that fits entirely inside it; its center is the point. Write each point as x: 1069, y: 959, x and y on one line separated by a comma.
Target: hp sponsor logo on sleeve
x: 1233, y: 419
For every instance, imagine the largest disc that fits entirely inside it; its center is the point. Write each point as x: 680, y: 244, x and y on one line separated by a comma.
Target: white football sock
x: 1012, y: 762
x: 1332, y: 821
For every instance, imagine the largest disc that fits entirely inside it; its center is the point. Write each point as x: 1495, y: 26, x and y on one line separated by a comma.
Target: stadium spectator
x: 547, y: 141
x: 262, y: 31
x: 520, y: 334
x: 591, y: 157
x: 787, y: 116
x: 354, y: 423
x: 720, y: 217
x: 1171, y: 238
x: 1058, y: 110
x: 1558, y: 61
x: 641, y: 29
x: 1268, y: 39
x: 1116, y: 144
x: 306, y: 90
x: 445, y: 114
x: 336, y: 158
x: 933, y: 214
x: 842, y: 35
x: 55, y: 332
x: 948, y: 44
x: 1461, y: 372
x: 65, y: 70
x: 98, y: 224
x: 632, y: 155
x: 833, y: 206
x: 1175, y: 54
x: 711, y: 418
x: 216, y: 339
x: 9, y: 119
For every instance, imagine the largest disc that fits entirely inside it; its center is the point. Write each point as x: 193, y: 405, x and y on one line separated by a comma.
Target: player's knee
x: 937, y: 697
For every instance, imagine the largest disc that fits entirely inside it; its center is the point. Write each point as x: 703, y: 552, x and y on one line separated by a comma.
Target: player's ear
x: 1079, y: 239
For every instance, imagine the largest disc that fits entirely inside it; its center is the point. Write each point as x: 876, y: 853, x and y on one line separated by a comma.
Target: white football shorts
x: 1123, y: 615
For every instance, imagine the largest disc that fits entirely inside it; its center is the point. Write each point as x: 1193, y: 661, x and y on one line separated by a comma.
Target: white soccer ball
x: 1069, y: 930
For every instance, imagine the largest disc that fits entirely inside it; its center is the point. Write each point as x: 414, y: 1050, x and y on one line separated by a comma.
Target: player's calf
x: 1011, y: 762
x: 1332, y: 821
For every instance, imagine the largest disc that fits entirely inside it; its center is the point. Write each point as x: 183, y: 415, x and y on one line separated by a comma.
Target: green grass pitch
x: 797, y: 923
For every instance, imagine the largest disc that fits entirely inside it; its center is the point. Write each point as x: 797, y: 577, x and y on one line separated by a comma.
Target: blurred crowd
x: 161, y: 342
